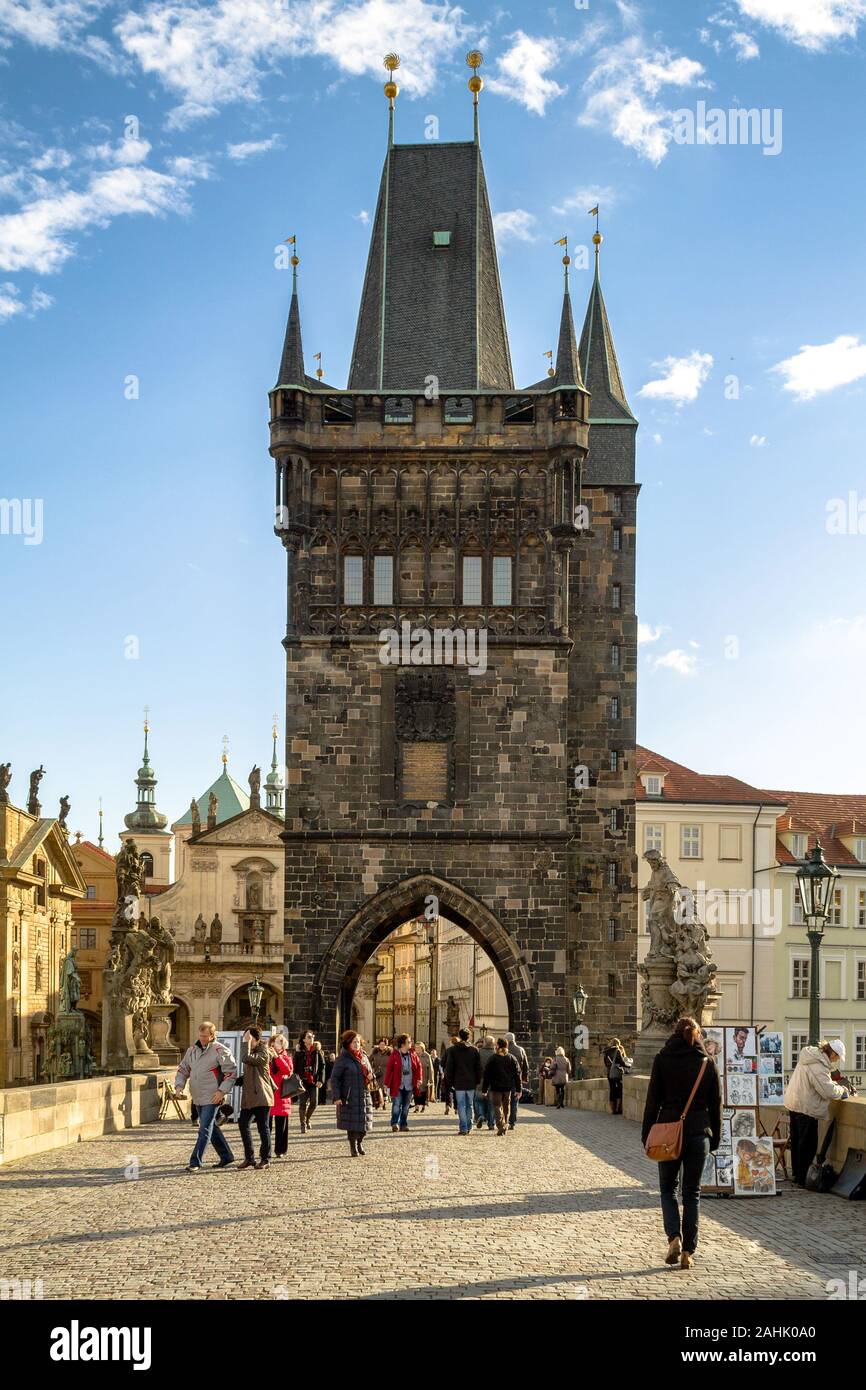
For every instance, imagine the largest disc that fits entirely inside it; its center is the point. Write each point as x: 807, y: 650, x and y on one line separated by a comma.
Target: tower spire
x: 291, y: 371
x: 597, y: 354
x: 101, y: 838
x: 145, y: 816
x: 273, y: 783
x: 475, y: 84
x: 567, y: 371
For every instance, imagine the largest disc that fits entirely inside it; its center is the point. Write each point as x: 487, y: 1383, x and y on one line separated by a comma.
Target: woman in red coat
x: 281, y: 1068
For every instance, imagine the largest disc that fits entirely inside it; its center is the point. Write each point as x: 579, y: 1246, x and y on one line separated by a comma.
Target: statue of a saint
x: 5, y: 779
x: 70, y: 983
x: 199, y: 929
x: 64, y: 810
x: 128, y: 871
x: 36, y: 776
x: 212, y: 808
x: 255, y: 781
x: 164, y: 951
x: 662, y: 895
x: 216, y: 930
x: 196, y: 818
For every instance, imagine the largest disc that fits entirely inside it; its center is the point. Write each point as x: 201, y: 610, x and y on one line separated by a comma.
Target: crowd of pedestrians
x: 482, y: 1085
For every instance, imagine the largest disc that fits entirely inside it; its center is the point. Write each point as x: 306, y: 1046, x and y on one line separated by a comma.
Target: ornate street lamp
x: 815, y: 879
x: 578, y: 1002
x: 255, y: 993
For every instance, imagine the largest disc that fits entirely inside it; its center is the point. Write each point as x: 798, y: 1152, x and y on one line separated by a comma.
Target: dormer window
x: 441, y: 241
x: 653, y: 783
x: 860, y: 848
x: 798, y: 846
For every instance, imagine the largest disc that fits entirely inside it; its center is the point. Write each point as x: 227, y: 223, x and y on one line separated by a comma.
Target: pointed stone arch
x: 357, y: 939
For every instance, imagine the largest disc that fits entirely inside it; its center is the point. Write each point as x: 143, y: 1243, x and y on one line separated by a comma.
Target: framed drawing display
x: 750, y: 1066
x: 754, y: 1167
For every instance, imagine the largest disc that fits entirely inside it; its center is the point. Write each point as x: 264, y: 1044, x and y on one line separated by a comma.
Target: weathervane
x: 317, y: 356
x: 293, y: 242
x: 566, y: 260
x: 392, y: 63
x: 549, y: 356
x: 225, y: 750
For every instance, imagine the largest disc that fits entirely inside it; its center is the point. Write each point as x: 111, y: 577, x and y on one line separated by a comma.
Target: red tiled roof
x: 684, y: 784
x: 88, y: 844
x: 825, y: 816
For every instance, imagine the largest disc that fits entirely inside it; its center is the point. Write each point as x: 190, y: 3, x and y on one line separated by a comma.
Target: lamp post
x: 255, y: 993
x: 578, y: 1003
x: 815, y: 879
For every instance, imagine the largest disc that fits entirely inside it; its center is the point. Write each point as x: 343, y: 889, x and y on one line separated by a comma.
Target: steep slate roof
x: 682, y: 784
x: 567, y: 359
x: 428, y: 311
x: 291, y: 371
x: 599, y: 363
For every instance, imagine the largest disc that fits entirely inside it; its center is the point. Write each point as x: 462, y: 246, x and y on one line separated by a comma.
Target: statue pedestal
x: 120, y: 1049
x: 659, y: 973
x: 161, y: 1040
x: 68, y: 1042
x: 708, y: 1012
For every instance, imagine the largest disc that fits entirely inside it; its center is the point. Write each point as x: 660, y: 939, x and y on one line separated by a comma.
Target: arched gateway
x: 461, y: 639
x: 341, y: 966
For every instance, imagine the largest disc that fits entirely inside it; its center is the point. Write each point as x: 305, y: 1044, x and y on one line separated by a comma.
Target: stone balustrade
x: 36, y: 1118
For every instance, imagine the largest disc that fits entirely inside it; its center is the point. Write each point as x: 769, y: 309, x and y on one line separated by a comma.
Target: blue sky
x: 154, y: 156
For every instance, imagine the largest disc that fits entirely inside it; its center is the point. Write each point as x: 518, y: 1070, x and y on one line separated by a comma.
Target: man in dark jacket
x: 674, y: 1072
x: 257, y: 1097
x: 520, y: 1057
x: 501, y: 1079
x: 463, y: 1073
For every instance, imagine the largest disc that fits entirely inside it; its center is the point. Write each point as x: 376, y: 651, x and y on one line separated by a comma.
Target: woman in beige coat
x: 807, y: 1099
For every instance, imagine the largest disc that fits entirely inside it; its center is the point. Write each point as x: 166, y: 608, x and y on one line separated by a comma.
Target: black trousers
x: 281, y: 1135
x: 307, y: 1102
x: 260, y: 1114
x: 804, y: 1144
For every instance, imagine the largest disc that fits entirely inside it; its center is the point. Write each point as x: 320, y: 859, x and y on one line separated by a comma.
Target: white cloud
x: 247, y: 149
x: 39, y: 236
x: 128, y: 150
x: 622, y: 92
x: 758, y: 441
x: 682, y: 380
x: 657, y: 439
x: 363, y: 217
x: 588, y: 196
x: 48, y: 23
x: 744, y: 46
x: 814, y: 24
x: 516, y: 225
x: 816, y: 369
x: 684, y: 663
x: 212, y: 55
x: 520, y: 73
x: 11, y: 303
x: 647, y: 633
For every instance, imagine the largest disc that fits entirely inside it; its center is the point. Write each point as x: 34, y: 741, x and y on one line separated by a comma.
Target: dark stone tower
x: 433, y: 494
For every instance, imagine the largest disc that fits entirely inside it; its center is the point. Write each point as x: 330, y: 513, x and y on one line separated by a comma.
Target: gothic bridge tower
x: 431, y: 496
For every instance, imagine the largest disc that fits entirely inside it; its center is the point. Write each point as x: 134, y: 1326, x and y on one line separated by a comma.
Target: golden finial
x: 274, y: 729
x: 317, y: 356
x: 474, y: 61
x: 147, y: 719
x: 392, y: 63
x: 225, y: 750
x: 549, y: 356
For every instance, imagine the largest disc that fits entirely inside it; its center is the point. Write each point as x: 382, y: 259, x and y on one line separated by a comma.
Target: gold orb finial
x: 597, y: 238
x: 295, y: 260
x: 566, y: 260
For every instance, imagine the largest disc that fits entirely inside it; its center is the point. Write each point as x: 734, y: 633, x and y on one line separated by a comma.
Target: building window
x: 611, y: 874
x: 86, y: 938
x: 614, y: 714
x: 861, y: 907
x: 800, y: 977
x: 797, y: 918
x: 616, y: 596
x: 616, y: 538
x: 614, y: 760
x: 616, y: 504
x: 834, y: 916
x: 458, y: 410
x: 654, y: 838
x: 614, y: 655
x: 398, y: 410
x: 501, y: 581
x: 91, y: 891
x: 614, y: 821
x: 611, y: 986
x: 653, y: 786
x: 383, y: 580
x: 797, y: 1041
x: 861, y: 980
x: 611, y: 929
x: 147, y: 865
x: 353, y: 579
x: 860, y: 849
x: 798, y: 846
x: 690, y: 842
x: 472, y: 580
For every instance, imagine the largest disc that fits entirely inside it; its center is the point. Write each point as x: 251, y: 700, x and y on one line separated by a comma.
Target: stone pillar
x: 161, y: 1041
x: 658, y: 1010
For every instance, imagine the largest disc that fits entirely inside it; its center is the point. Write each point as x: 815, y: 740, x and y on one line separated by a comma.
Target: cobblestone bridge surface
x: 563, y: 1208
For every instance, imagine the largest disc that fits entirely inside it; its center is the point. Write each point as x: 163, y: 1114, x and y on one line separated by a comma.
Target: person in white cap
x: 807, y: 1098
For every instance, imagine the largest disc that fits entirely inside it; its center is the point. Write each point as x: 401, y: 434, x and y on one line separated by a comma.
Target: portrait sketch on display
x: 708, y: 1176
x: 741, y: 1053
x: 754, y: 1167
x: 741, y: 1090
x: 771, y: 1090
x: 726, y: 1140
x: 724, y: 1170
x: 743, y: 1125
x: 770, y: 1053
x: 714, y: 1042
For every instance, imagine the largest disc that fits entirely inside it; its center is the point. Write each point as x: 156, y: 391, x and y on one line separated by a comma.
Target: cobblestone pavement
x: 564, y: 1207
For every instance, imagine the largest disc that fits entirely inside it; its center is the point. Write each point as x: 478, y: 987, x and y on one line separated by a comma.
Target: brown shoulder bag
x: 665, y: 1141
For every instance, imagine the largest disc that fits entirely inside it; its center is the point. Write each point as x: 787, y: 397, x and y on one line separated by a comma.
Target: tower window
x: 383, y: 579
x: 472, y: 580
x: 614, y: 760
x: 611, y: 929
x: 441, y: 240
x: 617, y: 538
x: 614, y: 655
x: 458, y: 410
x: 616, y: 504
x: 147, y: 865
x: 611, y: 874
x: 398, y: 410
x: 501, y: 580
x: 614, y: 707
x: 616, y: 596
x: 353, y: 579
x: 520, y: 410
x: 611, y: 986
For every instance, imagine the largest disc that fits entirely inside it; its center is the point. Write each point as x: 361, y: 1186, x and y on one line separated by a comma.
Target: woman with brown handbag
x: 682, y: 1118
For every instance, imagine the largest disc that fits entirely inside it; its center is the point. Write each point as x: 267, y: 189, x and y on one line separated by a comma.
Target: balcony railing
x: 230, y: 950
